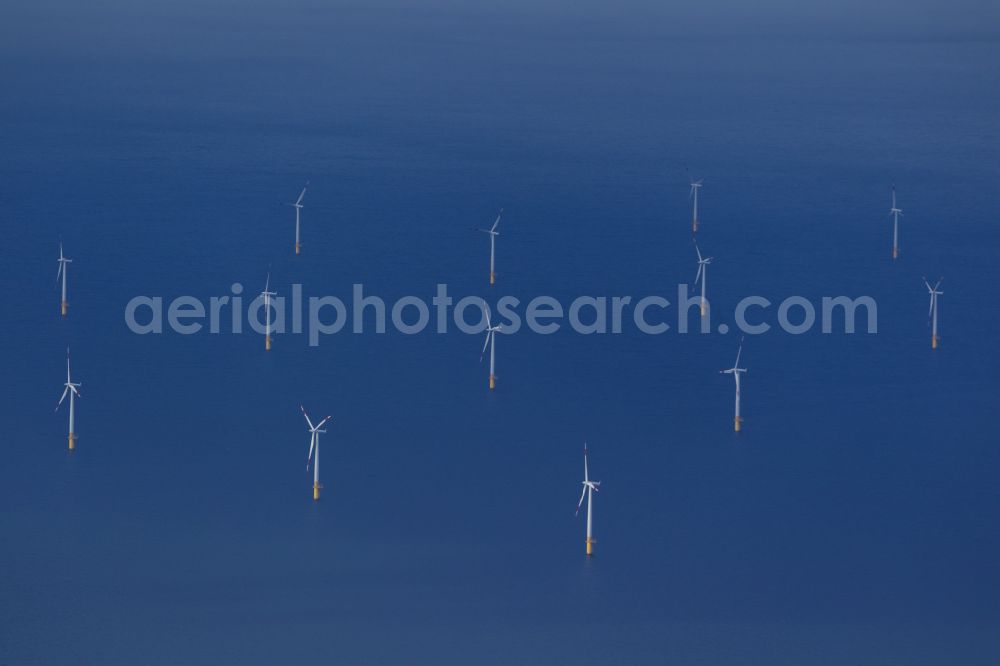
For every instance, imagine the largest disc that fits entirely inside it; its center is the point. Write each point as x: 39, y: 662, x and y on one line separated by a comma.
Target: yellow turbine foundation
x: 65, y: 307
x: 704, y: 310
x: 694, y: 226
x: 493, y: 277
x: 934, y: 341
x: 590, y: 546
x: 298, y: 248
x: 267, y: 343
x: 493, y: 382
x: 895, y: 253
x: 315, y: 491
x: 72, y: 441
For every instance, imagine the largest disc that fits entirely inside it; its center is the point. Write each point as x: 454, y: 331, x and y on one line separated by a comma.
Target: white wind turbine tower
x: 267, y: 294
x: 491, y: 332
x: 298, y: 209
x: 896, y: 213
x: 492, y: 231
x: 589, y: 488
x: 693, y: 195
x: 71, y: 390
x: 702, y: 275
x: 932, y: 312
x: 63, y: 265
x: 314, y: 432
x: 735, y: 372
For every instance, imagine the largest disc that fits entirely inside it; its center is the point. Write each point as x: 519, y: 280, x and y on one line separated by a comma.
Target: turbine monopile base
x: 64, y: 308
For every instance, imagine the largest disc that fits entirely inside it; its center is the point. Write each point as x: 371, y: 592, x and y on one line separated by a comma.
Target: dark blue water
x: 854, y: 521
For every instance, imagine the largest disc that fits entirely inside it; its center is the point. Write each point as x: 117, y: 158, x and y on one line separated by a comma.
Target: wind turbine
x: 267, y: 294
x: 298, y: 208
x: 589, y: 488
x: 896, y: 213
x: 702, y: 275
x: 735, y: 372
x: 314, y: 431
x: 491, y: 332
x: 932, y: 312
x: 71, y: 389
x: 63, y: 265
x: 693, y: 195
x: 492, y: 231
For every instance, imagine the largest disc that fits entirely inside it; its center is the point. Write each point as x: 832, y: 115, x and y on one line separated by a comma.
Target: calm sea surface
x: 854, y: 521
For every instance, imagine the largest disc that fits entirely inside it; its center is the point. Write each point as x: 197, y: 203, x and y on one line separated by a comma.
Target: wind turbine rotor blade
x: 494, y: 227
x: 486, y: 313
x: 580, y: 503
x: 65, y: 391
x: 486, y: 344
x: 307, y: 417
x: 320, y: 424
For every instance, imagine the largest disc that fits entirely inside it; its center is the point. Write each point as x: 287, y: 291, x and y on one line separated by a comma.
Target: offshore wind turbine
x: 702, y: 275
x: 589, y: 488
x: 491, y: 332
x: 492, y: 231
x: 63, y: 265
x: 267, y: 294
x: 73, y: 392
x: 932, y: 312
x: 693, y: 195
x: 298, y: 209
x: 896, y: 213
x: 314, y: 432
x: 735, y: 372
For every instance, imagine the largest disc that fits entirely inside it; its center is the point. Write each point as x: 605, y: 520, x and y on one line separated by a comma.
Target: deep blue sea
x: 853, y: 521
